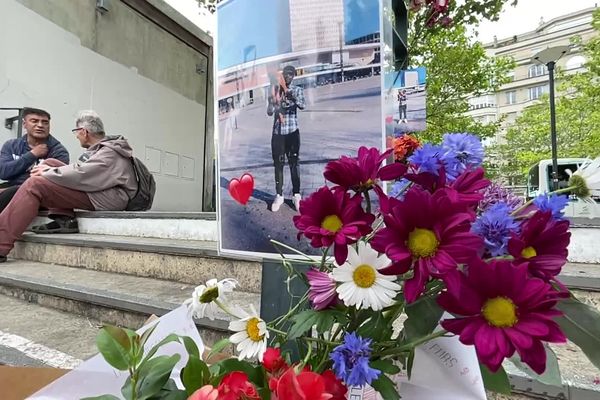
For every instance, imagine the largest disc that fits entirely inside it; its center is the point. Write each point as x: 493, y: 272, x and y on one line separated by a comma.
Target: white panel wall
x: 44, y: 66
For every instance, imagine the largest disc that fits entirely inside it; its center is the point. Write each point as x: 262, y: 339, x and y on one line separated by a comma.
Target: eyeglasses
x: 75, y: 130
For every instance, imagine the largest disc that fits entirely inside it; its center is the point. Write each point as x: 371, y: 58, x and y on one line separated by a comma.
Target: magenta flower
x: 363, y: 172
x: 333, y: 217
x: 321, y: 292
x: 542, y: 242
x: 428, y: 233
x: 469, y: 187
x: 502, y: 309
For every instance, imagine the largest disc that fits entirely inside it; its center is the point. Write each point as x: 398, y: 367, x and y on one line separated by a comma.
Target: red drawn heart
x: 241, y: 189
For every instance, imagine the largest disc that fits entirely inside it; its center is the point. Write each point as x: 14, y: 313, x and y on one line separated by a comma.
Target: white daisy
x: 251, y: 335
x: 206, y: 298
x: 586, y: 180
x: 361, y: 283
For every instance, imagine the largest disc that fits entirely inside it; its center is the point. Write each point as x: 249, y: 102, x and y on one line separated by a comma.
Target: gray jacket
x: 105, y: 172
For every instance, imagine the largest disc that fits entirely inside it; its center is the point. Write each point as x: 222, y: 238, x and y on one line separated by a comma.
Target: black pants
x: 402, y: 111
x: 283, y: 146
x: 6, y: 195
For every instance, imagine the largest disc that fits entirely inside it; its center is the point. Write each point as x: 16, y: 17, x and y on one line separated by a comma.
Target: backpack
x: 143, y: 198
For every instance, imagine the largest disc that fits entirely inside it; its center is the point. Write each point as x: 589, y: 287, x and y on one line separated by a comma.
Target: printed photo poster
x: 405, y: 101
x: 298, y: 84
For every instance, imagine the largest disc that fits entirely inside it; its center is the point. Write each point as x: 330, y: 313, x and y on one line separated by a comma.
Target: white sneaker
x: 277, y: 203
x: 296, y: 199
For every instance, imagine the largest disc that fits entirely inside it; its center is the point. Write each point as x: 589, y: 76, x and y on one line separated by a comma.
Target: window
x: 537, y: 70
x: 511, y: 97
x: 575, y: 62
x: 537, y: 91
x: 511, y: 76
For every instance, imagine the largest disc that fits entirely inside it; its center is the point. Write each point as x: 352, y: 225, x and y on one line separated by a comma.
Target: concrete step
x: 108, y: 297
x: 166, y: 225
x: 186, y: 261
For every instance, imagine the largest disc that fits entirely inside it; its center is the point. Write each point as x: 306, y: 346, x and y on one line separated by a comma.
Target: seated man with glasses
x: 19, y: 156
x: 102, y: 179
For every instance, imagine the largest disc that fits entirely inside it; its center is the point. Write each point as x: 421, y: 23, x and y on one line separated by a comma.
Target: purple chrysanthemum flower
x: 553, y: 203
x: 495, y: 226
x: 351, y: 361
x: 427, y: 158
x: 322, y: 292
x: 467, y: 148
x: 399, y: 188
x: 496, y: 193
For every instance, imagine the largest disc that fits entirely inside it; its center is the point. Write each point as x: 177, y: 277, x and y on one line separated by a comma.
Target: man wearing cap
x: 284, y: 101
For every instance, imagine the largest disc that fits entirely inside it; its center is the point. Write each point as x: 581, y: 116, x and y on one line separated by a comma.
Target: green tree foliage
x: 577, y: 120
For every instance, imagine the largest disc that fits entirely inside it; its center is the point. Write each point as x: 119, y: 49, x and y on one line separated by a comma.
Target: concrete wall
x: 62, y: 55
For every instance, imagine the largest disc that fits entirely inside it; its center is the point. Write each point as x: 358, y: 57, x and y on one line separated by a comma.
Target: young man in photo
x: 284, y: 101
x: 402, y: 106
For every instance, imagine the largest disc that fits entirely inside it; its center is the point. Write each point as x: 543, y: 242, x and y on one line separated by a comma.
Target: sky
x: 525, y: 17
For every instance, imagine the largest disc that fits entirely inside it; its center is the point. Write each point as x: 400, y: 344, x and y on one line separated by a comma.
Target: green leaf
x: 495, y: 381
x: 423, y: 317
x: 386, y: 366
x: 303, y: 322
x: 110, y: 344
x: 154, y: 375
x: 255, y: 374
x: 217, y: 347
x: 190, y: 346
x: 581, y: 324
x: 103, y: 397
x: 147, y: 334
x: 386, y: 388
x: 377, y: 327
x: 120, y: 335
x: 325, y: 322
x: 170, y: 338
x: 195, y: 374
x: 552, y: 374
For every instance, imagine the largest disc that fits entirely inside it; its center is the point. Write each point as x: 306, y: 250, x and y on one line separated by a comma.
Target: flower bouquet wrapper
x: 96, y: 377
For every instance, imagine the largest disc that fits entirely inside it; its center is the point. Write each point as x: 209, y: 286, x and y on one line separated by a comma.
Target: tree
x: 577, y: 120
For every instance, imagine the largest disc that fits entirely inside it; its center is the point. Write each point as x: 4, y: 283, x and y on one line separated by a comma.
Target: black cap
x: 289, y: 68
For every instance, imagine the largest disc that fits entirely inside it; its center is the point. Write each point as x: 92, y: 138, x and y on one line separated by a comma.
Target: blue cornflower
x: 553, y: 203
x: 467, y: 148
x: 495, y: 227
x: 427, y: 158
x: 399, y: 188
x: 351, y: 361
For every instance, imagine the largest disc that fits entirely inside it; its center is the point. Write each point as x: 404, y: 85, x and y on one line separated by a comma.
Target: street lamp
x: 549, y: 57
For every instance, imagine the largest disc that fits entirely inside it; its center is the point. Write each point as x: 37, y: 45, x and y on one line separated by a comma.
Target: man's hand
x: 39, y: 170
x: 290, y: 96
x: 40, y: 150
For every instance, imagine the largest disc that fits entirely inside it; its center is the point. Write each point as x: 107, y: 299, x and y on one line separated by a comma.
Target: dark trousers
x: 282, y: 147
x: 6, y: 195
x: 402, y: 111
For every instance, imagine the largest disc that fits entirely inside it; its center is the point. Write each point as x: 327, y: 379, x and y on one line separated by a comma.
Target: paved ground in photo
x: 338, y: 119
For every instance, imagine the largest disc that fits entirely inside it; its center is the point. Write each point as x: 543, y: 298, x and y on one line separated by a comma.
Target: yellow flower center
x: 332, y: 223
x: 528, y: 252
x: 253, y: 331
x: 422, y: 242
x: 364, y: 276
x: 209, y: 295
x: 500, y: 312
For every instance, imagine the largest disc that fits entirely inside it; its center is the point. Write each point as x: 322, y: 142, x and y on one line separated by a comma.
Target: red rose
x: 235, y: 386
x: 272, y: 360
x: 304, y: 386
x: 334, y: 386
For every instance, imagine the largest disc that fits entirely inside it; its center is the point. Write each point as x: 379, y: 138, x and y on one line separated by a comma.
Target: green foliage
x: 577, y: 120
x: 581, y: 324
x: 457, y: 68
x: 552, y: 374
x: 495, y: 381
x: 386, y: 387
x: 423, y: 316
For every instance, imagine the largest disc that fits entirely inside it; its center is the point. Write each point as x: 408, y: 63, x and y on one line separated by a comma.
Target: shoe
x: 277, y: 203
x: 59, y: 225
x: 296, y: 199
x: 2, y: 259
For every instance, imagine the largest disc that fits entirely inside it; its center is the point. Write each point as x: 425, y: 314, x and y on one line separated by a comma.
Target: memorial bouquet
x: 444, y: 253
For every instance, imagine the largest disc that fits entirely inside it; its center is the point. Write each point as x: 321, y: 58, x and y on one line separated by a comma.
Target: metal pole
x: 551, y: 65
x: 340, y: 27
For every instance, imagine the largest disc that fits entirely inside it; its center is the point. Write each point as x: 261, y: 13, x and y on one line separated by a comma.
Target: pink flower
x: 205, y: 393
x: 363, y: 172
x: 333, y: 217
x: 321, y: 292
x: 428, y: 233
x: 305, y: 385
x: 502, y: 309
x: 543, y: 243
x: 468, y: 187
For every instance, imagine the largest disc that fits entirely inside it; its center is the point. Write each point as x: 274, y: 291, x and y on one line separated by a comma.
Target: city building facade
x: 529, y: 81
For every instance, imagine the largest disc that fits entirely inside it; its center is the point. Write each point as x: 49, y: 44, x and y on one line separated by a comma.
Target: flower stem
x: 275, y: 242
x: 368, y: 199
x: 402, y: 349
x: 225, y: 308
